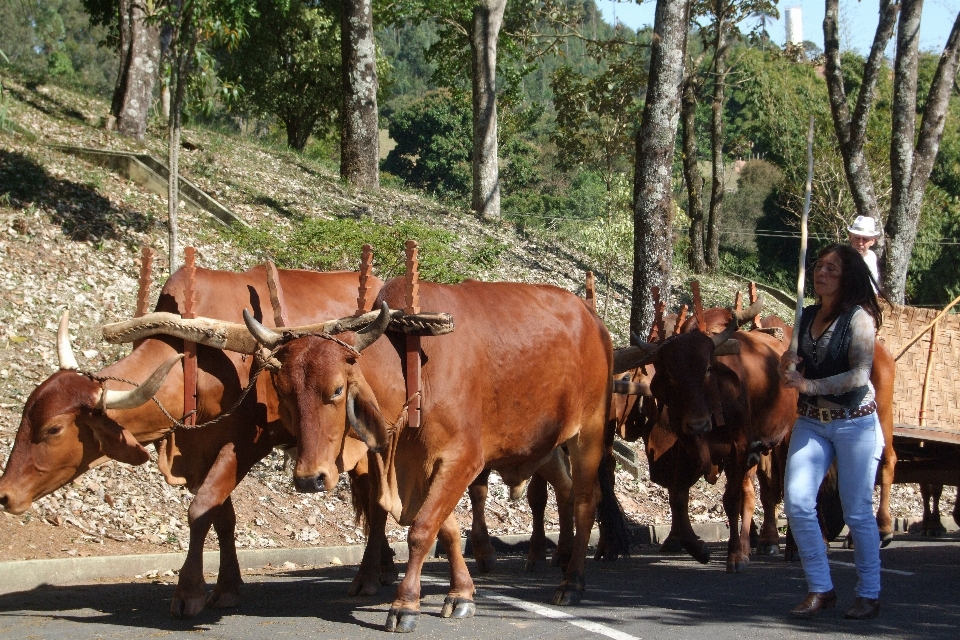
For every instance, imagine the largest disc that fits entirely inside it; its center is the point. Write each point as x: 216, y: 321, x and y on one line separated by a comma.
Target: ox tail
x: 615, y: 535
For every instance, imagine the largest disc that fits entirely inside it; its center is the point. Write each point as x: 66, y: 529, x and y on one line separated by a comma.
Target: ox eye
x: 52, y: 431
x: 337, y: 392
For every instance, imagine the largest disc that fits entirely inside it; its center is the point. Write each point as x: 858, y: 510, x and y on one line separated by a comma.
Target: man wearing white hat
x: 863, y: 235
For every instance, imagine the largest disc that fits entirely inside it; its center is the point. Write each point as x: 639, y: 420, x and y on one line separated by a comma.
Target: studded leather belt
x: 827, y: 415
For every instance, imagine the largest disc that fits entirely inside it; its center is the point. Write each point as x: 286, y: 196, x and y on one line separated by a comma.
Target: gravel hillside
x: 70, y: 237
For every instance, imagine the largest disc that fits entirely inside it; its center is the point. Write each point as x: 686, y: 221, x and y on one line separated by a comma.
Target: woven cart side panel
x: 900, y: 324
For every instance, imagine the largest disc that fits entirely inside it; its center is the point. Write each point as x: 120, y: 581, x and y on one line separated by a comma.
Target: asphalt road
x: 647, y: 596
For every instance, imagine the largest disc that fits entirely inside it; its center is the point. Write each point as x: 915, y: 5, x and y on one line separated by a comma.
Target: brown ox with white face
x: 527, y: 369
x: 71, y: 424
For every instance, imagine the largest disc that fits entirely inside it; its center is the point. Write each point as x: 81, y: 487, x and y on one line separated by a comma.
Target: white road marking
x: 547, y: 612
x: 850, y: 564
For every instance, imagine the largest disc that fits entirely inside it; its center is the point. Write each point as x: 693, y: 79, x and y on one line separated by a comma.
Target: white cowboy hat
x: 864, y: 226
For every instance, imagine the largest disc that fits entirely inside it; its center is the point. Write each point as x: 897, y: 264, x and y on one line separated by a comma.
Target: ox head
x: 324, y: 396
x: 65, y: 429
x: 685, y: 365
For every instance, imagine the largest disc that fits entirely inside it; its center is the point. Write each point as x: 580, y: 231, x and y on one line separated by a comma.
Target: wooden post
x: 366, y: 265
x: 738, y: 301
x: 277, y: 301
x: 926, y: 376
x: 189, y: 348
x: 698, y: 306
x: 591, y: 292
x: 412, y: 356
x: 757, y: 324
x: 146, y: 278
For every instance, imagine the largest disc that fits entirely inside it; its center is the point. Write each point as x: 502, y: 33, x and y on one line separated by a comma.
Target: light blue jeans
x: 856, y: 444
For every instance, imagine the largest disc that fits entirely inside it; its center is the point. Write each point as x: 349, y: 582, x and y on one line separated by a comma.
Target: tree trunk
x: 851, y: 131
x: 691, y: 171
x: 910, y: 166
x: 360, y: 133
x: 716, y: 146
x: 652, y: 193
x: 139, y: 57
x: 487, y: 19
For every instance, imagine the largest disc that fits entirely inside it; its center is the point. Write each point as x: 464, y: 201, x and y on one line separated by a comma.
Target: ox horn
x: 739, y: 317
x: 264, y: 336
x: 370, y: 334
x: 68, y: 361
x: 633, y: 356
x: 135, y: 397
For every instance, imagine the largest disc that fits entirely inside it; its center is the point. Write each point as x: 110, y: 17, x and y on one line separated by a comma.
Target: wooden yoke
x: 591, y: 291
x: 146, y: 278
x: 189, y: 348
x: 412, y: 356
x: 681, y: 317
x: 277, y: 300
x: 366, y: 266
x: 757, y: 324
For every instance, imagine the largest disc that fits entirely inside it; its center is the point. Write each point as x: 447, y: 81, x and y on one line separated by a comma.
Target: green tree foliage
x: 56, y: 38
x: 433, y: 139
x: 289, y: 67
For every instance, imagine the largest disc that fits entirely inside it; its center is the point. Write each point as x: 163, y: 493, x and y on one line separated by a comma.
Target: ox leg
x: 585, y: 459
x: 537, y: 499
x: 681, y: 529
x: 483, y: 551
x: 446, y: 487
x: 212, y: 497
x: 376, y: 566
x: 882, y: 378
x: 556, y: 471
x: 931, y: 524
x: 771, y: 492
x: 459, y: 601
x: 734, y: 502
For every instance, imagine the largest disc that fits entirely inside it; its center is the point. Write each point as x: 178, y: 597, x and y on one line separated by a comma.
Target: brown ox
x: 677, y: 464
x: 527, y: 370
x: 691, y: 381
x: 63, y: 432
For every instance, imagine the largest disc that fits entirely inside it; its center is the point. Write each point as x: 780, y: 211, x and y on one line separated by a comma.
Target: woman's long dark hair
x: 856, y: 283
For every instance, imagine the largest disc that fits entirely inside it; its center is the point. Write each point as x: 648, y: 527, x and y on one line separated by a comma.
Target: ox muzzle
x: 312, y: 484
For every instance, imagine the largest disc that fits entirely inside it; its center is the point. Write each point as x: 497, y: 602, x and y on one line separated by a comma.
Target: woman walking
x: 837, y: 420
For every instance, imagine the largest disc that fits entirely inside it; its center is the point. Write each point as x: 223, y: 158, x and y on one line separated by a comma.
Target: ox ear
x: 118, y: 443
x: 363, y: 414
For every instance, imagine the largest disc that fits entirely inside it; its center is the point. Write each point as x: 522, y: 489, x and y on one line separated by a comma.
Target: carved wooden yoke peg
x: 591, y: 291
x: 146, y: 279
x: 757, y: 324
x: 364, y: 303
x: 698, y: 305
x: 189, y: 348
x: 412, y: 355
x: 277, y: 300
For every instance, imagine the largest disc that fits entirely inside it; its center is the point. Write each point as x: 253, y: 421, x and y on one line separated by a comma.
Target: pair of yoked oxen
x: 523, y: 386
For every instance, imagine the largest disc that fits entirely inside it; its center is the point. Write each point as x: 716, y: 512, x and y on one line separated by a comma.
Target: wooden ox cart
x: 926, y: 434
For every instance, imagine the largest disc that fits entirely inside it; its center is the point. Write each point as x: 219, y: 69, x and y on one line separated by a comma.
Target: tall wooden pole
x: 795, y: 339
x: 189, y: 348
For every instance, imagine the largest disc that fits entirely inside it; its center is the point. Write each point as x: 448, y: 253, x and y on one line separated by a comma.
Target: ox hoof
x: 223, y: 600
x: 699, y: 550
x: 736, y: 566
x: 885, y: 538
x: 454, y: 607
x: 388, y: 573
x: 530, y: 565
x: 567, y: 595
x: 402, y: 621
x: 187, y: 607
x: 364, y: 586
x: 768, y: 549
x: 671, y: 545
x: 791, y: 555
x: 486, y: 564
